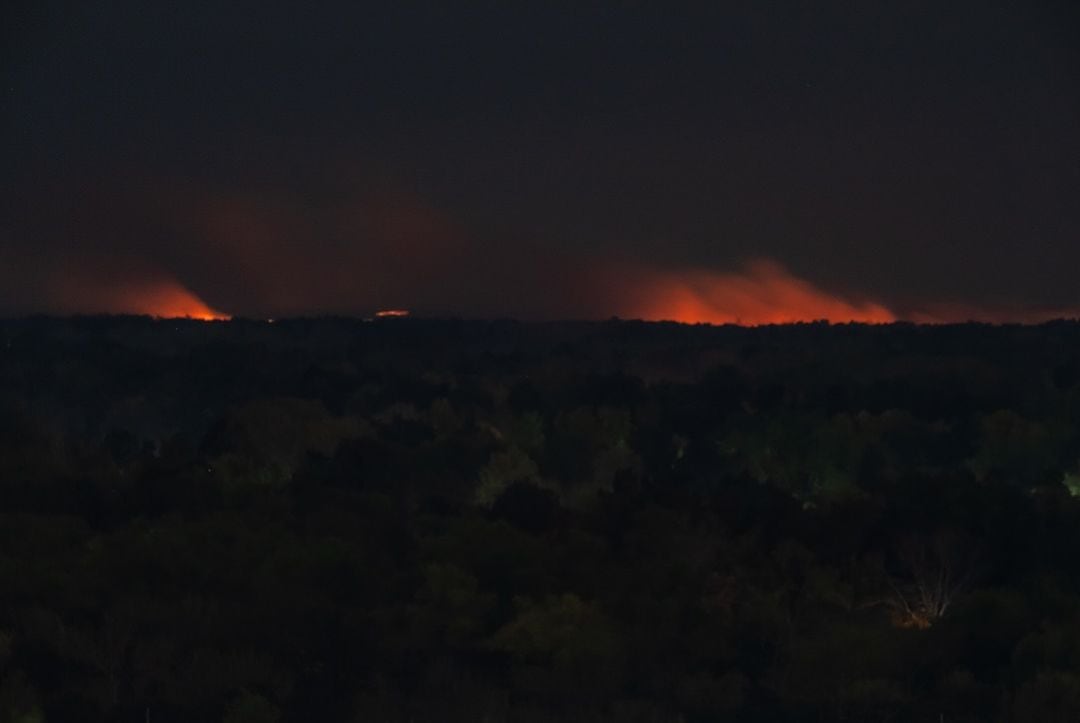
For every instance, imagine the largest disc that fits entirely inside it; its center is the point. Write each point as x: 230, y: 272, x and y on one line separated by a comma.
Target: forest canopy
x: 419, y: 520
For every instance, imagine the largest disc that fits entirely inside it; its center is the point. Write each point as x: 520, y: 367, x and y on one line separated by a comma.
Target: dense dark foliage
x: 445, y: 521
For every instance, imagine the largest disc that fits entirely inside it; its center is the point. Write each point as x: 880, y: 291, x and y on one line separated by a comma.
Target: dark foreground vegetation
x: 413, y: 521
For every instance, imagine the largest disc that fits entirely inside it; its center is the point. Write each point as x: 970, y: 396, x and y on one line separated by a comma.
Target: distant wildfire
x: 167, y: 299
x: 764, y: 293
x: 159, y: 297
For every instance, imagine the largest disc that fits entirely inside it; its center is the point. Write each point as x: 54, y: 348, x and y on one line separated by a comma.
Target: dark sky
x: 540, y: 159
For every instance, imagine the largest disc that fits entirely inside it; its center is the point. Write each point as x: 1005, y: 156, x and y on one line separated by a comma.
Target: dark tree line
x: 461, y: 521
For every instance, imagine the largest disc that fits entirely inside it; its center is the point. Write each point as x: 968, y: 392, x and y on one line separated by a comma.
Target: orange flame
x: 159, y: 297
x: 764, y: 294
x: 168, y: 299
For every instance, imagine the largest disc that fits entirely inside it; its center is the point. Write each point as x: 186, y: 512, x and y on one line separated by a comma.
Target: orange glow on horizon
x: 161, y: 298
x: 765, y: 293
x: 170, y: 300
x: 391, y: 313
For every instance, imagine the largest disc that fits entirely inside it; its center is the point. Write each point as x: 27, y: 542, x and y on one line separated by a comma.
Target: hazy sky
x: 540, y: 159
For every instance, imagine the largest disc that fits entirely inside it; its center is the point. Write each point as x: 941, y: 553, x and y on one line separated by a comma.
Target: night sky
x: 756, y: 161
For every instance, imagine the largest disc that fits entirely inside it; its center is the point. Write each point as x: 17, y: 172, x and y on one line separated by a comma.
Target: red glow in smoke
x: 159, y: 297
x: 765, y: 293
x: 167, y: 299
